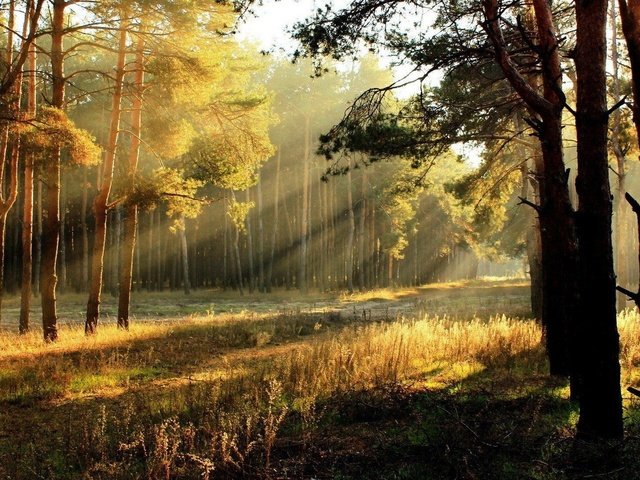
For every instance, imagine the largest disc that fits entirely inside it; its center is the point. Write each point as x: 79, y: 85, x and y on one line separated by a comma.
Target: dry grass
x: 210, y: 396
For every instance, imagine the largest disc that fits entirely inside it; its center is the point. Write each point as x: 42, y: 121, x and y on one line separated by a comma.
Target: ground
x: 436, y: 382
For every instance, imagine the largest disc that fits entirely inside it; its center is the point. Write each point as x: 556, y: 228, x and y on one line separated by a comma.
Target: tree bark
x: 274, y: 232
x: 100, y: 203
x: 350, y: 233
x: 184, y: 255
x: 27, y: 209
x: 261, y: 286
x: 598, y: 341
x: 252, y: 276
x: 131, y: 215
x: 51, y: 220
x: 304, y: 222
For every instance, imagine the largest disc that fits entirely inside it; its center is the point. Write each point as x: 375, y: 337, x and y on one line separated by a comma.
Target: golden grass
x: 213, y: 377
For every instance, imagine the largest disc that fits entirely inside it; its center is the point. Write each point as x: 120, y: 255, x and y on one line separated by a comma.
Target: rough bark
x: 100, y: 203
x: 598, y: 341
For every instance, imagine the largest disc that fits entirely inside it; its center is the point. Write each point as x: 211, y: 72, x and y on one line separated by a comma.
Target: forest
x: 401, y: 243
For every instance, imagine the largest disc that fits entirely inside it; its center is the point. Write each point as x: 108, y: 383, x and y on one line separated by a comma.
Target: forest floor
x: 438, y: 382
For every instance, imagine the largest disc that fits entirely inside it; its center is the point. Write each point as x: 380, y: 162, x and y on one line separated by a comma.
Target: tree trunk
x: 252, y: 277
x: 304, y: 222
x: 51, y: 177
x: 62, y: 267
x: 100, y: 203
x: 27, y: 209
x: 184, y: 255
x: 597, y: 333
x: 620, y: 206
x: 131, y: 216
x: 261, y: 286
x: 274, y: 232
x: 361, y: 232
x: 350, y: 233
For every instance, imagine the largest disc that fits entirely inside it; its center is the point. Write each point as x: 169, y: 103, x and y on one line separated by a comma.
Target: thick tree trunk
x: 131, y: 216
x: 100, y: 203
x: 598, y: 341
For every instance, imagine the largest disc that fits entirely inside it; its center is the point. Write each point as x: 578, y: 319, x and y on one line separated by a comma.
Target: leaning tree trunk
x: 100, y: 203
x: 131, y: 215
x: 597, y: 333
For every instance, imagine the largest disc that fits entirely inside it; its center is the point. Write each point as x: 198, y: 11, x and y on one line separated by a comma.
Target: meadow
x: 436, y: 382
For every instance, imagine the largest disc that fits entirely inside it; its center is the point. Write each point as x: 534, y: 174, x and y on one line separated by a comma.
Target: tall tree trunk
x: 620, y: 206
x: 184, y: 255
x: 100, y: 203
x: 12, y: 139
x: 351, y: 232
x: 131, y: 215
x: 260, y: 239
x: 252, y: 277
x: 558, y: 238
x: 62, y: 267
x: 51, y: 177
x: 274, y: 232
x: 37, y: 254
x: 27, y: 209
x: 598, y: 347
x: 151, y: 278
x: 304, y: 214
x: 361, y: 232
x: 84, y: 230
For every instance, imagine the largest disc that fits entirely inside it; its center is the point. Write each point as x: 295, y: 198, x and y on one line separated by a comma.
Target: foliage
x: 51, y: 130
x: 237, y: 212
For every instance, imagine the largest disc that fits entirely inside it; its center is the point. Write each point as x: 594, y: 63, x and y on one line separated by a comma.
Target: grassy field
x: 437, y: 382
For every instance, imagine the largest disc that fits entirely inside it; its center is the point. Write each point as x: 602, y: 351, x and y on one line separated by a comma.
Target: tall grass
x: 214, y: 395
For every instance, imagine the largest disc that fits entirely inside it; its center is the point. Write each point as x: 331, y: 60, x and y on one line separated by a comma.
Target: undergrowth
x: 294, y: 396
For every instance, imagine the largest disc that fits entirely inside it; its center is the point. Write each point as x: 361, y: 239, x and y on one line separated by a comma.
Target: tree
x: 338, y: 32
x: 598, y: 341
